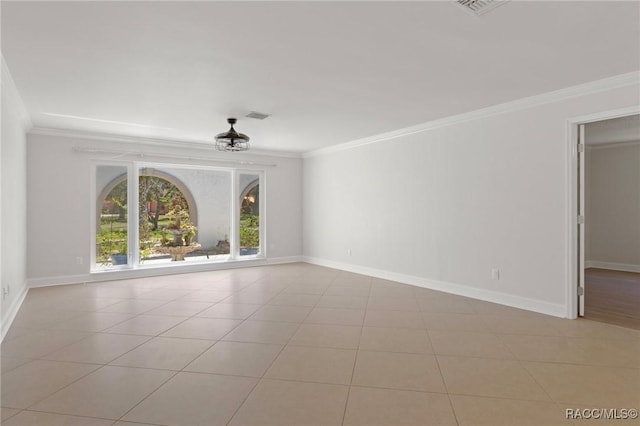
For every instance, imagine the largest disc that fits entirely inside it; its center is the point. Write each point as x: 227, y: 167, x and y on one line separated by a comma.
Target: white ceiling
x: 615, y: 130
x: 328, y: 72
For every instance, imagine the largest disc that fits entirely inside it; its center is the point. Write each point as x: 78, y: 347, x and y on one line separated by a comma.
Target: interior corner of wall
x: 10, y: 314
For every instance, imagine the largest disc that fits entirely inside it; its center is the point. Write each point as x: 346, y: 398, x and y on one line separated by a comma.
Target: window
x: 183, y: 215
x: 112, y: 233
x: 249, y: 220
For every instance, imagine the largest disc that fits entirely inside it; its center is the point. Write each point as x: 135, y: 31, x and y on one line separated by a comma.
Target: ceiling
x: 328, y: 72
x: 615, y: 130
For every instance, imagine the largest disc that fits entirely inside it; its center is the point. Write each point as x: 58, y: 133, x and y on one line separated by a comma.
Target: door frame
x: 572, y: 178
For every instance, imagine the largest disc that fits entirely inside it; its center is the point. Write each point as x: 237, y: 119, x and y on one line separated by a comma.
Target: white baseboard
x: 143, y: 272
x: 520, y: 302
x: 612, y: 266
x: 286, y: 259
x: 10, y: 314
x: 62, y: 279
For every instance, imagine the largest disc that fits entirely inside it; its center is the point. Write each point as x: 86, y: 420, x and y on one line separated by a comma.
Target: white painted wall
x: 443, y: 206
x: 13, y: 202
x: 59, y: 199
x: 613, y: 208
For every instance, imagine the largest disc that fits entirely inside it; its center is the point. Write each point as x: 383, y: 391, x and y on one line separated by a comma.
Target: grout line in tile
x: 444, y: 382
x: 148, y: 395
x: 20, y: 410
x: 501, y: 397
x: 295, y: 381
x: 516, y: 358
x: 254, y: 386
x: 163, y: 369
x: 397, y: 389
x: 353, y: 371
x: 61, y: 414
x: 521, y: 363
x: 99, y: 366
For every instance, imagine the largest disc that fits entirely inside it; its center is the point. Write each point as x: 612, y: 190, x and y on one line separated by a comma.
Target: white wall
x: 13, y: 210
x: 613, y: 208
x: 443, y: 206
x: 59, y: 200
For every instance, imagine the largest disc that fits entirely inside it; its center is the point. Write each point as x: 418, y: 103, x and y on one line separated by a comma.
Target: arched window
x: 183, y: 213
x: 250, y: 198
x: 160, y: 196
x: 249, y: 215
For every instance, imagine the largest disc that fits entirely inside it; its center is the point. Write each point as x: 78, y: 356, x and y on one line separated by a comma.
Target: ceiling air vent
x: 479, y: 7
x: 257, y: 115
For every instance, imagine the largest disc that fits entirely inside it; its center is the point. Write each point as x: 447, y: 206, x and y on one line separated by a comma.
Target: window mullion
x: 235, y: 217
x: 262, y: 212
x: 134, y: 215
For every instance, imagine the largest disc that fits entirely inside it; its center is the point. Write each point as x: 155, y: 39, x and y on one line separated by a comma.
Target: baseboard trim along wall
x: 156, y: 271
x: 612, y: 266
x: 447, y: 287
x: 10, y: 314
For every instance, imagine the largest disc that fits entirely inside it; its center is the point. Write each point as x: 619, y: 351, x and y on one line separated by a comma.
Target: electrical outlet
x: 495, y: 274
x: 79, y: 260
x: 348, y: 252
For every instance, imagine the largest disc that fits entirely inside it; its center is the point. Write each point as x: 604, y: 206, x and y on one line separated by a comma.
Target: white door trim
x: 582, y: 143
x: 572, y: 198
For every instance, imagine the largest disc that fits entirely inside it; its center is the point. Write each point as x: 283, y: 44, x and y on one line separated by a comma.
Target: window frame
x: 261, y: 212
x: 133, y: 174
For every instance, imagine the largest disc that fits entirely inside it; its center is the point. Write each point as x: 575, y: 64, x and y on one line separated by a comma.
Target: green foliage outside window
x: 249, y: 231
x: 110, y: 242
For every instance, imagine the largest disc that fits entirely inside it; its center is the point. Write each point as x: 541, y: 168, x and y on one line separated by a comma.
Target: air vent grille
x: 479, y: 7
x: 257, y: 115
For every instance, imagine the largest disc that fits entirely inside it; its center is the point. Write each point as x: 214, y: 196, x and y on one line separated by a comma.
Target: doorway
x: 609, y: 220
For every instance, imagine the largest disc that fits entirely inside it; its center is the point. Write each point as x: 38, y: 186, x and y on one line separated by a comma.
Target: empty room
x: 320, y: 213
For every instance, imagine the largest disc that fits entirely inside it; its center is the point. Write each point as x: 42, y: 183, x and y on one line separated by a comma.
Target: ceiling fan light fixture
x: 231, y: 140
x: 479, y: 7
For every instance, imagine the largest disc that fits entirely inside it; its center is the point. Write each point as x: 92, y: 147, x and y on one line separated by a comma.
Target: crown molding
x: 191, y: 145
x: 618, y: 81
x: 10, y: 90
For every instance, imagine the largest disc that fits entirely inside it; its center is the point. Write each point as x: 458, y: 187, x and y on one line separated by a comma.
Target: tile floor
x: 302, y: 345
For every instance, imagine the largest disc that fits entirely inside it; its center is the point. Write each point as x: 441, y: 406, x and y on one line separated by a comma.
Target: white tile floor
x: 302, y: 345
